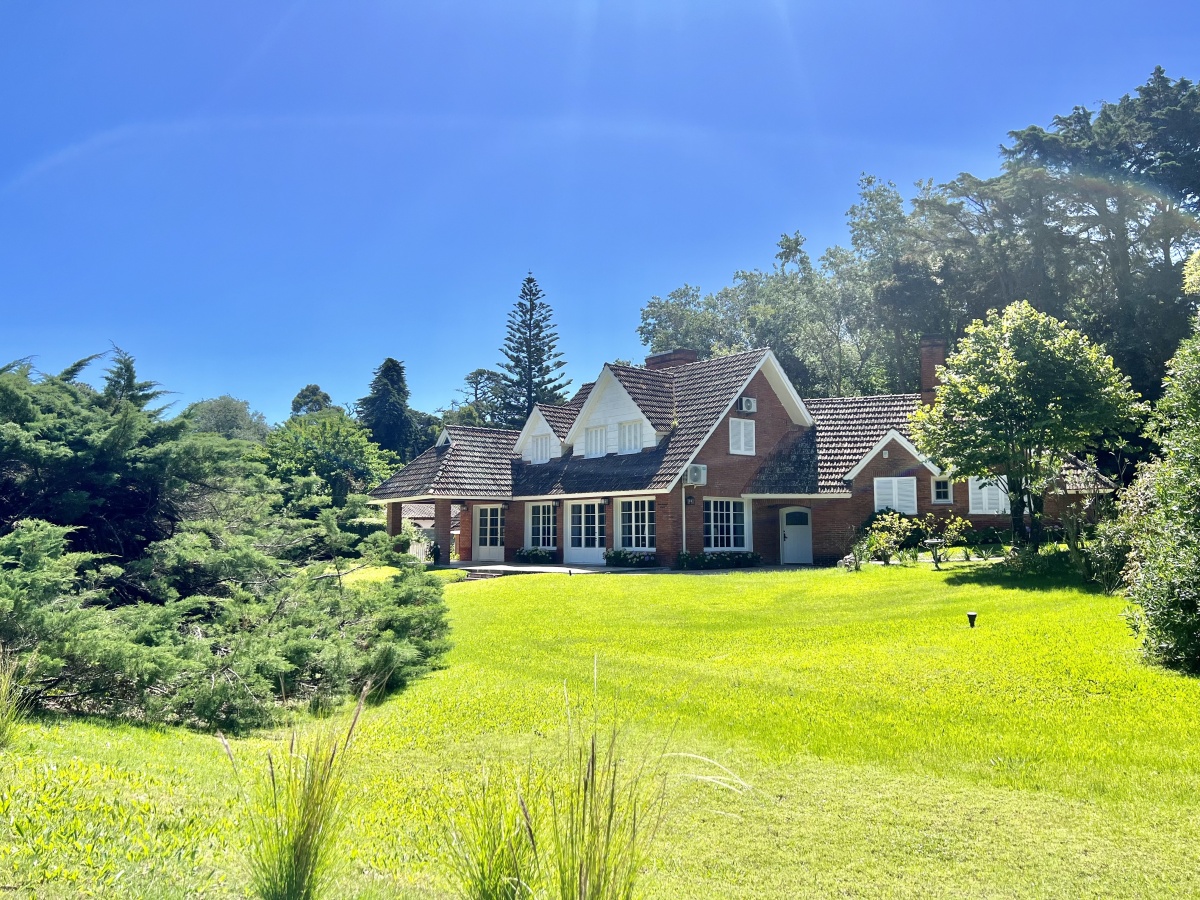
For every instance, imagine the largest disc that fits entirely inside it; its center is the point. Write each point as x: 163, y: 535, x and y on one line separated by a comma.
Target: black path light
x: 971, y: 618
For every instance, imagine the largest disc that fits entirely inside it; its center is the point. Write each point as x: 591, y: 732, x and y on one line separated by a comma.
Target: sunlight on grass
x: 891, y: 748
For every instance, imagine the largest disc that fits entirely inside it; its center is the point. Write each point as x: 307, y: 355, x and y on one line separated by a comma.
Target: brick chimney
x: 933, y: 354
x: 671, y: 359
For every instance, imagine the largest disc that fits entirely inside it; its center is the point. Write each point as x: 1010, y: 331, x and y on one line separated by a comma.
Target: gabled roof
x: 475, y: 462
x: 561, y: 418
x: 892, y: 434
x: 652, y: 390
x: 848, y: 428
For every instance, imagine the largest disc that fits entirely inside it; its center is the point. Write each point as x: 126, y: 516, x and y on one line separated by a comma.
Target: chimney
x: 671, y: 359
x: 933, y: 354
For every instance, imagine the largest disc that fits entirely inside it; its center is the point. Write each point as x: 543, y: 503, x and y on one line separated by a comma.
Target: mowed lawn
x: 890, y: 750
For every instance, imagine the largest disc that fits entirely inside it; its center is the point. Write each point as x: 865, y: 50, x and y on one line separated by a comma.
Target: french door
x: 489, y: 534
x: 586, y: 530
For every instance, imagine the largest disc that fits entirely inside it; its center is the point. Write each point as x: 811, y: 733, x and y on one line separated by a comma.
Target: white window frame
x: 933, y: 497
x: 537, y: 535
x: 741, y: 436
x: 975, y: 486
x: 595, y: 441
x: 710, y: 511
x: 541, y: 448
x: 636, y: 524
x: 891, y: 500
x: 629, y: 437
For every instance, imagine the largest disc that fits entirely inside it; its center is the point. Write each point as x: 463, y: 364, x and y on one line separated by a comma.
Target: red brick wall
x: 395, y: 511
x: 466, y: 531
x: 514, y: 529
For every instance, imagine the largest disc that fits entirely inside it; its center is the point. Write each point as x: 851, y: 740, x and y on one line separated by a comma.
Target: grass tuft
x: 12, y: 701
x: 295, y: 815
x: 489, y: 843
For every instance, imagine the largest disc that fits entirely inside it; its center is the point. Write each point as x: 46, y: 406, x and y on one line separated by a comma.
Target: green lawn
x: 892, y: 750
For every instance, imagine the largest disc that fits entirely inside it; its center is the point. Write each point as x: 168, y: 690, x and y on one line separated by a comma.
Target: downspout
x: 683, y: 510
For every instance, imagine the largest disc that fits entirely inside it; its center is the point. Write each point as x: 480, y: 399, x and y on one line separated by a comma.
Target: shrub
x: 718, y: 560
x: 889, y: 533
x: 295, y: 814
x: 534, y: 555
x: 630, y: 559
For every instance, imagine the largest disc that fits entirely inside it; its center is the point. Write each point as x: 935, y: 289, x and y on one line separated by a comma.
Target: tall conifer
x: 532, y: 366
x: 384, y: 411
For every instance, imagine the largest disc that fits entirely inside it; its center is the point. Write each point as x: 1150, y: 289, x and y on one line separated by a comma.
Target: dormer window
x: 630, y: 437
x: 540, y: 451
x: 741, y: 437
x: 594, y: 441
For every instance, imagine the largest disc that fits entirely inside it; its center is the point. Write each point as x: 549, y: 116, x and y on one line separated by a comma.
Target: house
x: 716, y: 455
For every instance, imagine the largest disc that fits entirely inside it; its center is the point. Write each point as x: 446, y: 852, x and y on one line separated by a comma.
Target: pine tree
x: 531, y: 371
x: 384, y: 411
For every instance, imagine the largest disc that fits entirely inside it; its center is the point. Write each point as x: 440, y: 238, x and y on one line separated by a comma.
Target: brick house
x: 704, y: 456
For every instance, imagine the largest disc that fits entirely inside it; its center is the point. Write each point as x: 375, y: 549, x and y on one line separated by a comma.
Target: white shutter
x: 906, y: 496
x: 741, y: 437
x: 885, y: 494
x: 748, y: 436
x: 987, y: 497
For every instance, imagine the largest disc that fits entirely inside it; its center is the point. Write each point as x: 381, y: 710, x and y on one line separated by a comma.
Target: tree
x: 332, y: 447
x: 532, y: 364
x: 229, y: 417
x: 384, y: 411
x: 1161, y: 517
x: 1020, y: 393
x: 311, y: 399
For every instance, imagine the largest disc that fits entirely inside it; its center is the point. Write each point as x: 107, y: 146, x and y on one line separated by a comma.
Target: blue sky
x: 253, y: 196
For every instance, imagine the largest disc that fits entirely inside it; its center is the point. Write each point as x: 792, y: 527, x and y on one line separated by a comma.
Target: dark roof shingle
x: 476, y: 463
x: 848, y: 427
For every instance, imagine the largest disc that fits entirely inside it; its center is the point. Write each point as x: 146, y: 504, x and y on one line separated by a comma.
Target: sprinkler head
x: 971, y: 618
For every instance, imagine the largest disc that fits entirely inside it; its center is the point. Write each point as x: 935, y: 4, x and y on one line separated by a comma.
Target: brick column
x: 395, y: 518
x: 441, y: 526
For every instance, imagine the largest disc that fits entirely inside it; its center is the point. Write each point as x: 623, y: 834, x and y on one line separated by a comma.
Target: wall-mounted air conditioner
x: 696, y: 474
x: 747, y: 404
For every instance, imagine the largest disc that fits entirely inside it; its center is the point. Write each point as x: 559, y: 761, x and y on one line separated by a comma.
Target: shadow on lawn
x: 1052, y: 572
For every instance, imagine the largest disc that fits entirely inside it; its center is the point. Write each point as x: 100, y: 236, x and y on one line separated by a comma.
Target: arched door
x: 795, y: 529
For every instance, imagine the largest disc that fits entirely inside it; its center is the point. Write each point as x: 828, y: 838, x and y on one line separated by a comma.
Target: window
x: 942, y: 492
x: 543, y: 525
x: 541, y: 448
x: 741, y: 437
x: 899, y: 494
x: 988, y: 497
x: 637, y: 524
x: 630, y: 437
x: 594, y: 441
x: 724, y: 525
x: 587, y: 525
x: 491, y: 526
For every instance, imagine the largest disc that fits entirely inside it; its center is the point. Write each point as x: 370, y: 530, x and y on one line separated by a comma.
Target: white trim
x: 602, y: 384
x: 779, y: 381
x: 840, y: 495
x: 933, y: 490
x: 892, y: 435
x: 443, y: 438
x: 618, y: 525
x: 741, y: 436
x: 526, y: 429
x: 528, y: 545
x: 747, y: 524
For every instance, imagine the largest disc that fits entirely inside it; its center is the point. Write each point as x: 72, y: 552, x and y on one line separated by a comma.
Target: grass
x: 892, y: 750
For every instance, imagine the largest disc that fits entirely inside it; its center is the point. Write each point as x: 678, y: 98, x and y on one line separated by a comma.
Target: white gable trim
x: 443, y: 438
x: 892, y: 435
x: 605, y: 382
x: 528, y: 428
x: 777, y: 378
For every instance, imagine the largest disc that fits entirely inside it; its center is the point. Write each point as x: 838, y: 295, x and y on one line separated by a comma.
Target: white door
x: 795, y: 524
x: 489, y: 534
x: 586, y: 528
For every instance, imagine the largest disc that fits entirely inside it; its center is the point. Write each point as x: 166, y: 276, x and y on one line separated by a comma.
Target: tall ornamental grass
x: 12, y: 701
x: 490, y: 845
x: 295, y: 814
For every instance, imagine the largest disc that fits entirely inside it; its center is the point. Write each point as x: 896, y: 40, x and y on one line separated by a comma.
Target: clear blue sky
x: 252, y: 196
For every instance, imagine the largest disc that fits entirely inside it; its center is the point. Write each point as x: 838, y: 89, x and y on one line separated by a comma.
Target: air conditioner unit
x: 747, y: 404
x: 696, y: 474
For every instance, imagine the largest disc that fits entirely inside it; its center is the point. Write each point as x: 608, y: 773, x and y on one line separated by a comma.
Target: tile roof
x: 848, y: 427
x: 791, y: 468
x: 561, y: 417
x: 1079, y: 477
x: 653, y: 390
x: 416, y: 511
x: 476, y: 463
x: 703, y: 391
